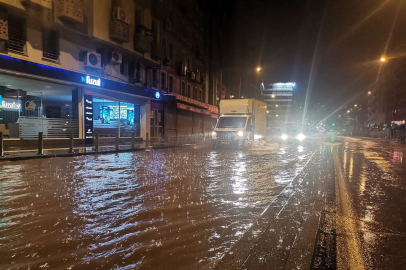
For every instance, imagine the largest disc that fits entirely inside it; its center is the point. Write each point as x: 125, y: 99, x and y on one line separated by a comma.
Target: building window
x: 163, y: 81
x: 17, y: 35
x: 139, y: 14
x: 155, y: 30
x: 195, y: 93
x: 170, y: 83
x: 189, y: 63
x: 154, y: 78
x: 50, y: 45
x: 171, y: 51
x: 189, y: 90
x: 184, y: 57
x: 183, y: 89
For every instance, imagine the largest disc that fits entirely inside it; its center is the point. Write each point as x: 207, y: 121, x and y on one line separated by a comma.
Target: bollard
x: 97, y: 143
x: 117, y: 146
x: 71, y: 144
x: 40, y: 143
x: 1, y: 145
x: 147, y: 139
x: 133, y: 141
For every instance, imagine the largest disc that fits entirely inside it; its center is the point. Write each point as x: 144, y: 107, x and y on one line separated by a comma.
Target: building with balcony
x: 107, y: 67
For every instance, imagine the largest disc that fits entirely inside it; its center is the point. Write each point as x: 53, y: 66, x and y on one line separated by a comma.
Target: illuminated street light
x: 355, y: 105
x: 383, y: 59
x: 369, y: 92
x: 259, y: 69
x: 348, y: 111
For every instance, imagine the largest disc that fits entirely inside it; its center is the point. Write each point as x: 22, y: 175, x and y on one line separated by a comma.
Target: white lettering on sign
x: 91, y: 81
x: 10, y: 105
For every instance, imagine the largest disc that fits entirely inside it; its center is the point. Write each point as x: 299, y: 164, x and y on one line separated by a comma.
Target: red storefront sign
x: 210, y: 108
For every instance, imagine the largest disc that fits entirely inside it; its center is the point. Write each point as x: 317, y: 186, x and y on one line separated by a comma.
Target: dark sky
x: 352, y: 36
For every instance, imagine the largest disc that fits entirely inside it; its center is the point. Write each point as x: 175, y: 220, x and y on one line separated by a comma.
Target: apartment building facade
x: 87, y: 67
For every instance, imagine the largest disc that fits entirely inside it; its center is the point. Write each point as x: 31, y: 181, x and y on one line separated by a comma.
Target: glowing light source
x: 273, y: 95
x: 240, y: 133
x: 284, y: 136
x: 259, y: 68
x: 300, y: 137
x: 369, y: 92
x: 383, y: 59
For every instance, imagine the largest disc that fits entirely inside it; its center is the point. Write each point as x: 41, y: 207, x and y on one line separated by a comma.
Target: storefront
x: 184, y: 116
x: 37, y: 98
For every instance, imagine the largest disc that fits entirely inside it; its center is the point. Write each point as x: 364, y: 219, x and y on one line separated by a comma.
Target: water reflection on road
x: 178, y: 208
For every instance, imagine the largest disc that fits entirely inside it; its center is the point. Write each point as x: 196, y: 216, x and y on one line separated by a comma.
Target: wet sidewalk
x: 23, y: 154
x: 284, y: 236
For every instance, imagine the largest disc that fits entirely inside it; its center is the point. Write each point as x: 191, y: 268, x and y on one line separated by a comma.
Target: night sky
x: 351, y: 36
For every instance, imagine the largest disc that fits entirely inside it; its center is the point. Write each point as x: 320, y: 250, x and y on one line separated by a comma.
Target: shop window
x: 183, y: 89
x: 17, y: 35
x: 189, y: 90
x: 163, y: 81
x: 154, y: 78
x: 50, y: 45
x: 170, y: 83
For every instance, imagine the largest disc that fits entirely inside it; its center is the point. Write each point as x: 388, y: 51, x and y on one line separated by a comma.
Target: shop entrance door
x: 156, y: 124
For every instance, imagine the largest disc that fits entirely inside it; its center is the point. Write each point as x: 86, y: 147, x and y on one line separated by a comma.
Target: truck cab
x: 241, y: 120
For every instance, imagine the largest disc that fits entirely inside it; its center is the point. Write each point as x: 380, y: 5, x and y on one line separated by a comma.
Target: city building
x: 107, y: 67
x: 188, y: 108
x: 279, y: 97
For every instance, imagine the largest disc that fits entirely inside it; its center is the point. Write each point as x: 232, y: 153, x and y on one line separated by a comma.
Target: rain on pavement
x: 178, y: 208
x: 375, y: 176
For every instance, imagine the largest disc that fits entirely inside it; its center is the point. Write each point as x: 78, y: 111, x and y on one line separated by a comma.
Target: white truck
x: 240, y: 120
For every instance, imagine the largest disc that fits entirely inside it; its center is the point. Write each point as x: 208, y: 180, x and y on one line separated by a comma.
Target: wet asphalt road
x: 179, y: 208
x: 372, y: 228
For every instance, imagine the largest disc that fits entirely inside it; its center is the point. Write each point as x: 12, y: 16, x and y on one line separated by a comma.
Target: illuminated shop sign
x: 10, y: 104
x: 88, y: 119
x: 91, y: 81
x: 398, y: 122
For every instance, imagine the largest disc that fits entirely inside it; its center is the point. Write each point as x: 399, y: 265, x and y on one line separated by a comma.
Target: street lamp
x: 348, y: 111
x: 369, y: 92
x: 259, y: 69
x: 355, y: 105
x: 383, y: 59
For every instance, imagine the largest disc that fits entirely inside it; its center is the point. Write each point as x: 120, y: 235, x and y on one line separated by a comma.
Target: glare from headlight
x: 240, y: 133
x: 284, y: 136
x: 213, y: 133
x: 301, y: 137
x: 257, y: 137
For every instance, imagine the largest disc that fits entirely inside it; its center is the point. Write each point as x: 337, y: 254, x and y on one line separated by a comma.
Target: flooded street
x: 373, y: 227
x: 178, y: 208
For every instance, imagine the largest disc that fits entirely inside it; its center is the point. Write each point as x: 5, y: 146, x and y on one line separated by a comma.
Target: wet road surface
x: 372, y: 230
x: 179, y: 208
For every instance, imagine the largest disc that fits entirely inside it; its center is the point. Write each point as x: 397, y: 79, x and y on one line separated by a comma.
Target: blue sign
x: 157, y: 95
x: 91, y: 81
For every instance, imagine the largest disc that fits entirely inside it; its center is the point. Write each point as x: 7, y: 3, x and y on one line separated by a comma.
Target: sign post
x: 88, y: 119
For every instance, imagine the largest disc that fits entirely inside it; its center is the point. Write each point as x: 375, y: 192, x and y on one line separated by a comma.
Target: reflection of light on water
x: 239, y: 185
x: 397, y: 156
x: 300, y: 148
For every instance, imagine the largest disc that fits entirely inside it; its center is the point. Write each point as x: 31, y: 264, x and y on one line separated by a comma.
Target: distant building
x: 279, y: 97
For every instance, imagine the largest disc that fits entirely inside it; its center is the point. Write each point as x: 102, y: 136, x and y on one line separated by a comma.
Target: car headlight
x: 301, y: 137
x: 257, y: 137
x: 284, y: 136
x: 240, y: 133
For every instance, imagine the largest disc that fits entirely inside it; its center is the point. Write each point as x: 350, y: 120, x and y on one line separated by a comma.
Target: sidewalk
x: 23, y: 154
x: 284, y: 236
